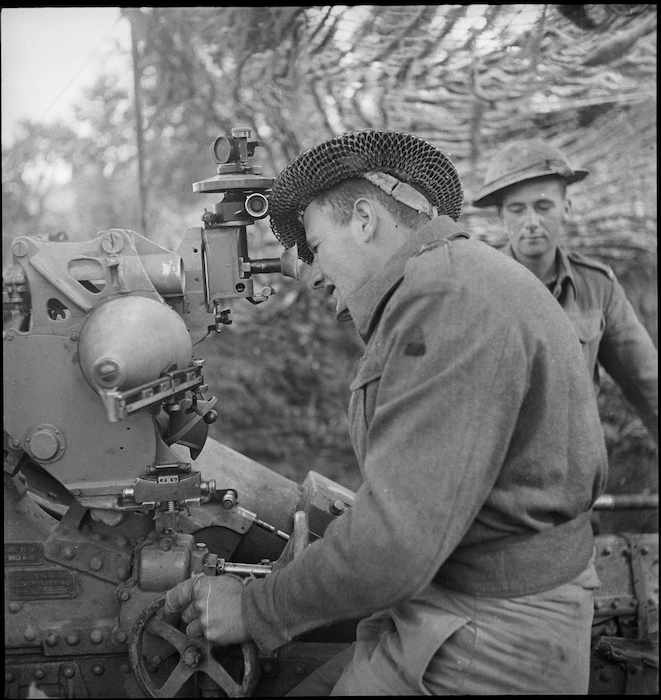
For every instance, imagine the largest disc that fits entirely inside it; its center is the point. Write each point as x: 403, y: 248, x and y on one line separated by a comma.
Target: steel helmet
x: 520, y: 161
x: 408, y: 158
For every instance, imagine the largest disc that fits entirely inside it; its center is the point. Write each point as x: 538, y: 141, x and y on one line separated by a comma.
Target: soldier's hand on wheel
x: 211, y: 607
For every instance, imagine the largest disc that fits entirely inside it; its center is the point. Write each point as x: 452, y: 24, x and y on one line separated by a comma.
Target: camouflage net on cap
x: 408, y: 158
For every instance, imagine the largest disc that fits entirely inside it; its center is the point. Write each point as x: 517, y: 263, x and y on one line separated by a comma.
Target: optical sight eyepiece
x: 257, y: 205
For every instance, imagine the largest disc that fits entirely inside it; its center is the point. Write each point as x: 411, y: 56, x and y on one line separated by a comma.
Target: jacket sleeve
x: 428, y: 469
x: 630, y: 357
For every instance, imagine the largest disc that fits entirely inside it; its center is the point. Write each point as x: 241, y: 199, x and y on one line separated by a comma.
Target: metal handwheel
x: 194, y: 657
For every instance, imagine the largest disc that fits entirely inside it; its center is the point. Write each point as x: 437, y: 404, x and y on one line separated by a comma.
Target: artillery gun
x: 114, y: 492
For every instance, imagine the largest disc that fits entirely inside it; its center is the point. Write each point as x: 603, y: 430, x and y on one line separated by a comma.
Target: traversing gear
x: 411, y: 160
x: 520, y: 161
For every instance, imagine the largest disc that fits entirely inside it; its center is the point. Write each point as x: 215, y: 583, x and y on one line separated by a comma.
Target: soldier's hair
x: 342, y: 197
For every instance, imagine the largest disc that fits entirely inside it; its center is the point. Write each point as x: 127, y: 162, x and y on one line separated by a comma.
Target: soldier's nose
x: 316, y: 280
x: 532, y: 220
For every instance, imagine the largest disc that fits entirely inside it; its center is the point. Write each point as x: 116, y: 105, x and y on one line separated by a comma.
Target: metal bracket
x: 120, y: 404
x: 644, y: 609
x: 71, y: 548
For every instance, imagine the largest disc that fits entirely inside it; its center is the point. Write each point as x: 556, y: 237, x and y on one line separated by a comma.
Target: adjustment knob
x: 211, y: 417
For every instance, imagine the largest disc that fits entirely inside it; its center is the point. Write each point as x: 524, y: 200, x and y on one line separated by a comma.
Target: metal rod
x: 633, y: 501
x: 225, y: 567
x: 272, y: 529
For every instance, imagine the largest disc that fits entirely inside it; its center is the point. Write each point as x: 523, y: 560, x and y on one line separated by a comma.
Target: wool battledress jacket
x: 476, y: 430
x: 610, y: 332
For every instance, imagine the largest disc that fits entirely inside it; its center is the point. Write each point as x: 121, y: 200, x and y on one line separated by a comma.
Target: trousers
x: 446, y: 643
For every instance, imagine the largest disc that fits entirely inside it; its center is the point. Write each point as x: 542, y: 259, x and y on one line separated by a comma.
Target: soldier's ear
x: 366, y: 217
x: 566, y: 209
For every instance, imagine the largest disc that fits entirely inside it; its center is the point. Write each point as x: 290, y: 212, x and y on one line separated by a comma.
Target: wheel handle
x: 194, y: 656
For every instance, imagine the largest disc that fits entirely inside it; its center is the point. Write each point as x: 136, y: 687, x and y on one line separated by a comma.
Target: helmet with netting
x: 408, y: 158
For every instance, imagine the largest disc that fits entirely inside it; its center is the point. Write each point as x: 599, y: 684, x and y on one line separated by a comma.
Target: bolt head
x: 112, y: 242
x: 337, y: 507
x: 192, y: 656
x: 20, y: 248
x: 229, y: 499
x: 68, y: 671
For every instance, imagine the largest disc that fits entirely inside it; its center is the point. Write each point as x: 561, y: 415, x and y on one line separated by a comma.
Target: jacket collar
x: 366, y: 303
x: 563, y: 269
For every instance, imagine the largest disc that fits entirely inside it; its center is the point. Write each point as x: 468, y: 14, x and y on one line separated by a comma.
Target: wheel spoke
x: 176, y: 680
x: 217, y: 673
x: 161, y: 628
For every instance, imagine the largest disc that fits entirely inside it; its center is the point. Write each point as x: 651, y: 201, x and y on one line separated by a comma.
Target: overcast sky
x: 49, y: 55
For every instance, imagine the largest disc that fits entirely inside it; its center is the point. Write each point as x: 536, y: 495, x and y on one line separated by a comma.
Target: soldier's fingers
x: 190, y: 612
x: 181, y: 595
x: 194, y: 629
